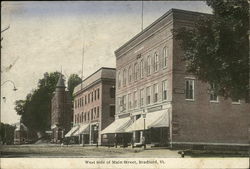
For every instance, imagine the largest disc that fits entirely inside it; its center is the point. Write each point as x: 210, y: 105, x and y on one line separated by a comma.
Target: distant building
x: 61, y: 111
x: 21, y: 134
x: 94, y: 106
x: 159, y: 103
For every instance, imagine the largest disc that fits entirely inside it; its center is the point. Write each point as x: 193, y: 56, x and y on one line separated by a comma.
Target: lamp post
x: 15, y: 89
x: 144, y: 128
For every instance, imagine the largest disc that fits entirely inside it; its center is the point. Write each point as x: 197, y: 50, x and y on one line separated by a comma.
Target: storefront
x: 150, y: 128
x: 115, y: 133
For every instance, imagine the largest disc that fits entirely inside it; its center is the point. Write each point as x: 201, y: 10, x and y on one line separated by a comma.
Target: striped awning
x: 152, y: 120
x: 118, y: 126
x: 72, y: 131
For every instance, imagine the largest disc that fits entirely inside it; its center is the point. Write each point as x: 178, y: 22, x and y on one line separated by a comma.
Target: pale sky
x: 44, y: 36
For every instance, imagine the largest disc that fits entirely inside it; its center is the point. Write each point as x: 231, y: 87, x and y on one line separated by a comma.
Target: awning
x: 118, y: 126
x: 154, y: 119
x: 71, y: 132
x: 83, y: 129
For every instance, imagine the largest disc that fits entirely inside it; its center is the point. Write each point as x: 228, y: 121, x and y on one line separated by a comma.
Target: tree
x: 217, y: 47
x: 35, y: 110
x: 73, y: 81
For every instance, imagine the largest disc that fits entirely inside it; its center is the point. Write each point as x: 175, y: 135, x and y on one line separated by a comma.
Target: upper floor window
x: 85, y: 99
x: 135, y: 99
x: 89, y: 98
x: 155, y: 90
x: 124, y: 77
x: 149, y: 65
x: 164, y: 90
x: 123, y: 103
x: 130, y: 74
x: 135, y: 71
x: 189, y: 89
x: 119, y: 79
x: 129, y: 101
x: 92, y: 96
x: 95, y: 95
x: 156, y: 62
x: 141, y: 97
x: 148, y: 94
x: 112, y: 111
x: 141, y: 68
x: 165, y: 56
x: 112, y: 92
x: 213, y: 93
x: 98, y: 94
x: 98, y: 112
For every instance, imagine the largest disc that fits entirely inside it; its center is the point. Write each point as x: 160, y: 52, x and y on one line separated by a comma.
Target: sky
x: 45, y: 36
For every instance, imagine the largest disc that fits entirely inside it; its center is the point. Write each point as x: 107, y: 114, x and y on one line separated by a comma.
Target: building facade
x: 158, y: 103
x: 94, y: 106
x: 61, y: 112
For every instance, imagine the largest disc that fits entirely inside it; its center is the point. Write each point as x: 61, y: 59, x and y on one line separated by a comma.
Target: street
x: 50, y: 150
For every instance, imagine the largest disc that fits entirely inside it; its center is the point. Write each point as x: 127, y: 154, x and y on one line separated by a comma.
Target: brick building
x: 61, y: 111
x: 94, y: 106
x: 155, y: 94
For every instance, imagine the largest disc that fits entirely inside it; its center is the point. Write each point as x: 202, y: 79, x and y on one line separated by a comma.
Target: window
x: 112, y: 92
x: 129, y: 101
x: 85, y: 99
x: 141, y: 68
x: 165, y: 56
x: 189, y: 89
x: 112, y: 111
x: 94, y: 112
x: 141, y: 97
x: 98, y: 94
x: 155, y: 90
x: 82, y: 116
x: 92, y: 96
x: 89, y: 98
x: 135, y: 71
x: 156, y: 62
x: 92, y: 117
x: 130, y: 74
x: 119, y: 79
x: 85, y: 115
x: 213, y: 93
x: 124, y: 77
x: 164, y: 90
x: 124, y: 103
x: 148, y: 94
x: 98, y: 112
x: 95, y: 94
x: 135, y: 99
x: 149, y: 65
x: 118, y: 103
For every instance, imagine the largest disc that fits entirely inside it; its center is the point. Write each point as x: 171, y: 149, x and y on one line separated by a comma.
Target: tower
x: 60, y: 111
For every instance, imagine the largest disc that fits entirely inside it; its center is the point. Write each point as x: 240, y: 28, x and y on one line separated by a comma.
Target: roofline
x: 158, y: 20
x: 96, y: 72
